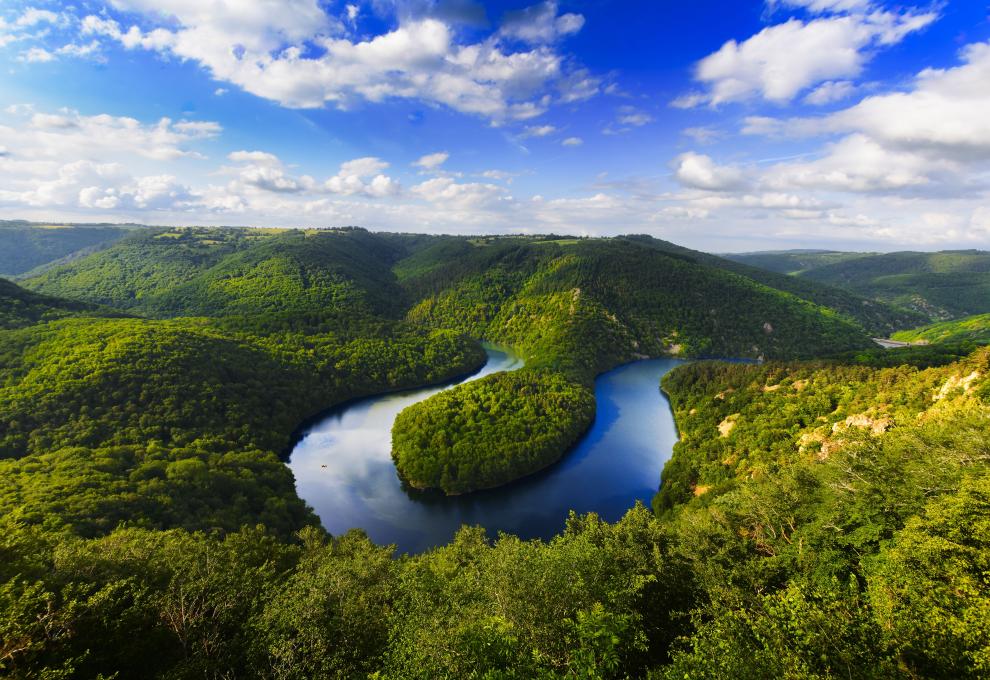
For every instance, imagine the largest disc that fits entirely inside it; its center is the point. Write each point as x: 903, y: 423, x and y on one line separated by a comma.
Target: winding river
x: 344, y: 470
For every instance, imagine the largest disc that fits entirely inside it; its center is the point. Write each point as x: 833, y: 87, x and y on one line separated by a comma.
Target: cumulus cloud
x: 459, y: 195
x: 363, y: 176
x: 432, y: 161
x: 784, y: 60
x: 701, y: 172
x: 540, y: 23
x: 945, y: 114
x: 296, y: 54
x: 66, y: 133
x: 856, y: 163
x: 573, y: 141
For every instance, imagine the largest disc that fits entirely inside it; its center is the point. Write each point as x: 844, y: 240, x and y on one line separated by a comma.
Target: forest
x: 824, y: 514
x: 935, y: 286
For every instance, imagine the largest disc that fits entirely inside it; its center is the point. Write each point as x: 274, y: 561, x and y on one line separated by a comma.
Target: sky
x: 724, y: 126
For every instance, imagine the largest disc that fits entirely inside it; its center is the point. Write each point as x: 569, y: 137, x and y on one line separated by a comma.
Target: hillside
x: 974, y: 329
x: 25, y: 246
x: 572, y: 308
x: 794, y: 262
x: 838, y: 529
x: 20, y: 307
x: 835, y: 515
x: 939, y: 286
x: 879, y: 318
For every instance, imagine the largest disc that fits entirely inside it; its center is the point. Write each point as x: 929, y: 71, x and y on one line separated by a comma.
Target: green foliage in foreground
x: 839, y: 528
x: 865, y: 559
x: 975, y: 329
x: 490, y: 431
x: 591, y: 603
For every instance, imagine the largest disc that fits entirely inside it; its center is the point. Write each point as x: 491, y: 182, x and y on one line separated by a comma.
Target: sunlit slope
x: 587, y: 305
x: 974, y: 329
x: 937, y: 286
x: 236, y: 272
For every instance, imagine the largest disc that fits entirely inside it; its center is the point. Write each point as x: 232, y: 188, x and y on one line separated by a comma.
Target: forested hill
x: 25, y: 246
x: 819, y: 519
x: 940, y: 286
x: 572, y: 307
x: 836, y: 514
x: 20, y: 307
x: 973, y: 329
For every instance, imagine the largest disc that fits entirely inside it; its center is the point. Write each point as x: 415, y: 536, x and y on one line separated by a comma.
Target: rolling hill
x: 939, y: 286
x: 25, y: 246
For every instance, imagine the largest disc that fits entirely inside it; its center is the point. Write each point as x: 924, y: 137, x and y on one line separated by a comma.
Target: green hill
x: 25, y: 245
x: 836, y: 515
x: 793, y: 262
x: 572, y: 308
x: 975, y: 329
x: 939, y: 286
x: 20, y: 307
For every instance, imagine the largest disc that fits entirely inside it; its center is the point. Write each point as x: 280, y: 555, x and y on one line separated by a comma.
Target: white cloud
x: 824, y: 6
x: 856, y: 163
x: 265, y: 171
x: 458, y: 195
x: 294, y: 53
x: 783, y: 60
x: 540, y: 23
x: 701, y: 172
x: 830, y: 92
x: 635, y: 118
x: 432, y: 161
x: 573, y: 141
x: 46, y: 135
x: 537, y: 131
x: 946, y: 114
x: 36, y: 55
x: 363, y: 176
x: 33, y: 16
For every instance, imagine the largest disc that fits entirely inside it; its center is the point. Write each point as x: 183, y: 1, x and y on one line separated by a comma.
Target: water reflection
x: 344, y: 470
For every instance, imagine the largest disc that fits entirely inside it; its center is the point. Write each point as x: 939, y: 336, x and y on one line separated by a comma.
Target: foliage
x: 19, y: 307
x: 836, y: 529
x: 818, y: 519
x: 974, y: 329
x: 490, y: 431
x: 176, y: 604
x: 179, y: 423
x: 25, y: 246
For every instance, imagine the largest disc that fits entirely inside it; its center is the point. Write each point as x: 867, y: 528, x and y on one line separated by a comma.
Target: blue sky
x: 718, y: 125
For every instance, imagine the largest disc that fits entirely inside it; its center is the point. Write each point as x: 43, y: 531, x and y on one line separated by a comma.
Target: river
x: 344, y: 470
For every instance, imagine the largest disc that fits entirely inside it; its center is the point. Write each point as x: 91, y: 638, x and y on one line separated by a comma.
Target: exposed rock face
x: 726, y: 426
x: 957, y: 382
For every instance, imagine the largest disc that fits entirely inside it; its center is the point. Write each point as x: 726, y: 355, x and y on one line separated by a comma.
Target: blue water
x: 344, y: 469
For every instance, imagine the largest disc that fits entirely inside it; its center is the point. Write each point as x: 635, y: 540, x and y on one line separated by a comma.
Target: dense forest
x: 968, y: 329
x: 25, y: 246
x: 824, y: 515
x: 937, y: 286
x: 572, y: 308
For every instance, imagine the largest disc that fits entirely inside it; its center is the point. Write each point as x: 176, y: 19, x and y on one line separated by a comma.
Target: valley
x: 295, y: 402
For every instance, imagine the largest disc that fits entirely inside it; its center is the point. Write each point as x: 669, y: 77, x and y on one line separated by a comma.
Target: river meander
x: 344, y: 469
